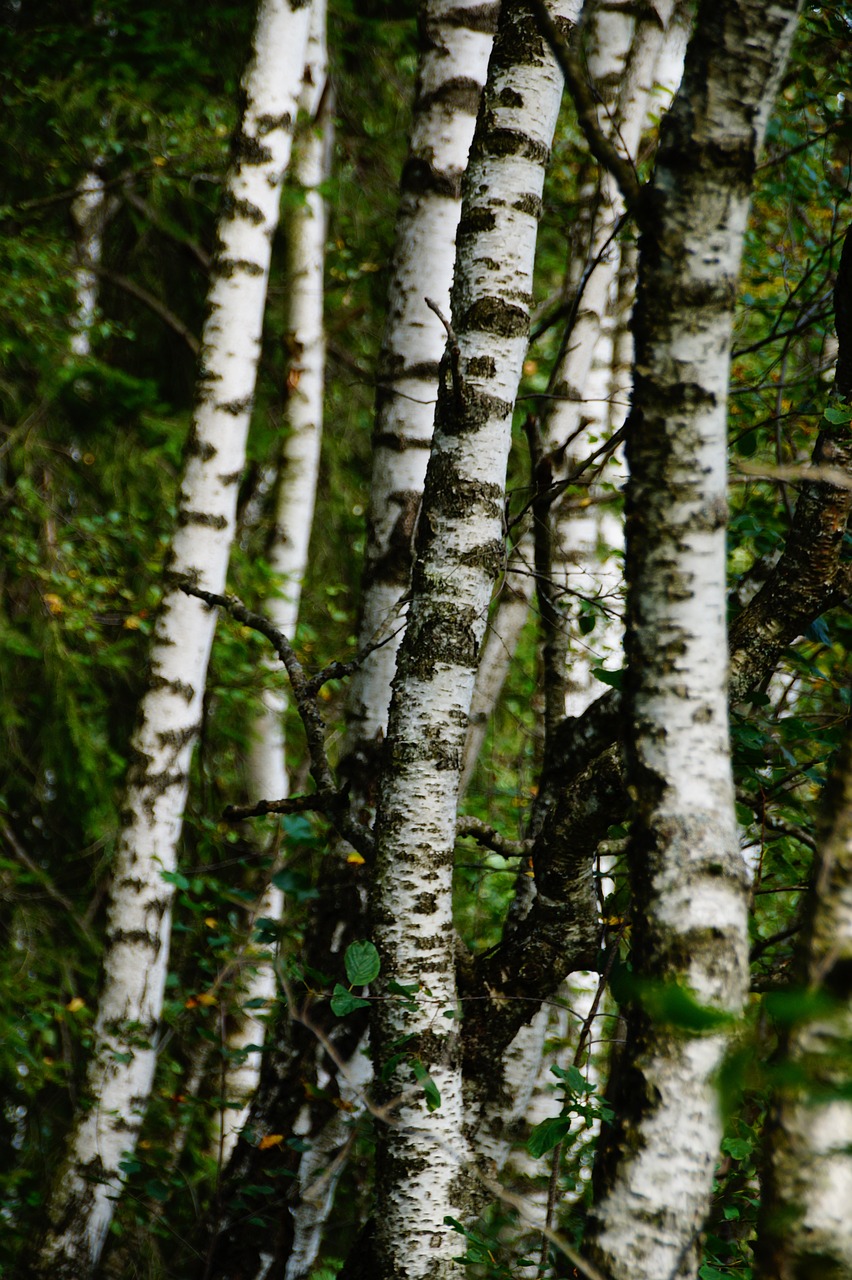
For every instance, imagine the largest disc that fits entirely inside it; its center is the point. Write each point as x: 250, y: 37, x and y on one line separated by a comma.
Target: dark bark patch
x: 201, y: 518
x: 419, y: 176
x: 494, y: 315
x: 511, y: 142
x: 249, y: 151
x: 235, y: 407
x: 198, y: 448
x: 481, y: 367
x: 529, y: 204
x: 227, y: 268
x: 480, y: 17
x: 476, y: 222
x: 460, y: 94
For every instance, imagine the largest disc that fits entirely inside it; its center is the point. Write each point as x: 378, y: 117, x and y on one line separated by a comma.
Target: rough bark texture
x: 654, y: 1168
x: 139, y: 918
x: 422, y: 1156
x: 455, y: 42
x: 456, y: 39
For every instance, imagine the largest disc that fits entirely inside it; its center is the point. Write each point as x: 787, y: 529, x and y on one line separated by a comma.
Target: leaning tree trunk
x: 139, y: 918
x: 422, y: 1154
x: 804, y: 1226
x: 690, y: 957
x: 287, y: 552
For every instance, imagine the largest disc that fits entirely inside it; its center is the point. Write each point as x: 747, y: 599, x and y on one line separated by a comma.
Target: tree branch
x: 314, y: 725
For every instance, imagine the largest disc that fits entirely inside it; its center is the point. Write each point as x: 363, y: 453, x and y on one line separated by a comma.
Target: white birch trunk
x: 288, y: 549
x: 807, y: 1191
x: 422, y: 1157
x: 655, y: 1167
x: 89, y: 212
x: 458, y: 36
x: 139, y: 919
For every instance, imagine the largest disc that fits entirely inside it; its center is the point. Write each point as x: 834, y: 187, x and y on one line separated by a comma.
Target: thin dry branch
x: 304, y: 695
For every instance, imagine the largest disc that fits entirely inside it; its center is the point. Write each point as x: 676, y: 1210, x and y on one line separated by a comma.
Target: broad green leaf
x: 362, y: 963
x: 343, y: 1002
x: 547, y: 1135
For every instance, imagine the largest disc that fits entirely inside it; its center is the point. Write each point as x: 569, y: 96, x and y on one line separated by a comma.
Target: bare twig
x: 153, y: 303
x: 312, y: 722
x: 492, y: 839
x: 45, y: 881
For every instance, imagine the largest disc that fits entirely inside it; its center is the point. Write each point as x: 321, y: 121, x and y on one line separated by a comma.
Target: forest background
x: 97, y: 397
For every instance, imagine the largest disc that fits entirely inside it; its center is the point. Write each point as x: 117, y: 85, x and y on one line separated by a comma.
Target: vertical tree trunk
x: 291, y: 533
x: 422, y: 1156
x: 89, y: 212
x: 139, y: 919
x: 456, y: 40
x: 655, y: 1167
x: 807, y: 1189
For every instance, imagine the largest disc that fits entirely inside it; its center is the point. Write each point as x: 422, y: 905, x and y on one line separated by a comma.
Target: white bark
x: 807, y: 1189
x: 688, y: 880
x: 504, y: 630
x: 89, y: 211
x: 139, y: 919
x: 290, y: 536
x: 422, y: 1157
x: 458, y: 36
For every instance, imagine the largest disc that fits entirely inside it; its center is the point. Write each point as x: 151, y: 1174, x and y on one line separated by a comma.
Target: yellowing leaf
x: 206, y: 998
x: 211, y: 922
x: 355, y: 859
x: 271, y: 1140
x: 75, y: 1005
x: 54, y: 603
x: 132, y: 623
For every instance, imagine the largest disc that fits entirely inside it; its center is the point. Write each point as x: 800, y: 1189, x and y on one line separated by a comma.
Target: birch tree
x: 459, y: 553
x: 808, y: 1175
x: 291, y: 533
x: 544, y: 807
x: 138, y: 931
x: 654, y: 1171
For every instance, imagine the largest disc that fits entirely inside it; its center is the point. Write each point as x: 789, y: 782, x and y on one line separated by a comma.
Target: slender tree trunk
x: 422, y: 1156
x: 456, y: 40
x: 655, y: 1167
x: 807, y: 1188
x: 90, y: 209
x: 290, y: 535
x: 139, y: 919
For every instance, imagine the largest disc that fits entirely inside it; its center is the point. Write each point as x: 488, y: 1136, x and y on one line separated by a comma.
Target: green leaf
x: 362, y: 963
x: 547, y: 1135
x: 612, y: 678
x: 430, y: 1089
x: 343, y: 1002
x: 838, y: 414
x: 736, y: 1148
